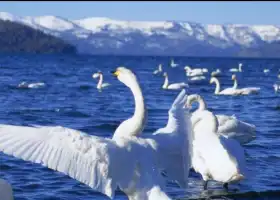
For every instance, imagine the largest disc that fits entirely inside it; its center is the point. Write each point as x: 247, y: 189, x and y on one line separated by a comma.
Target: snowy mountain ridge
x: 105, y: 35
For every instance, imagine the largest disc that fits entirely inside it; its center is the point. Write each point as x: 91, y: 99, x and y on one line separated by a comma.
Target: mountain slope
x: 16, y: 37
x: 108, y: 36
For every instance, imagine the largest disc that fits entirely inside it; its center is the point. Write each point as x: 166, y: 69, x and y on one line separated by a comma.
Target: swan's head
x: 164, y: 74
x: 125, y: 75
x: 96, y: 75
x: 191, y: 99
x: 187, y: 68
x: 233, y: 77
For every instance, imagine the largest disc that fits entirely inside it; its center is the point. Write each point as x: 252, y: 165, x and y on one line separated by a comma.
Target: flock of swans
x: 141, y: 165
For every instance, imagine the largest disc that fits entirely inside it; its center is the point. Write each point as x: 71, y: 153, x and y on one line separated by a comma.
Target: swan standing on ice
x: 227, y: 91
x: 228, y: 126
x: 159, y: 70
x: 99, y: 162
x: 6, y: 191
x: 214, y: 156
x: 100, y: 84
x: 217, y: 72
x: 237, y: 70
x: 244, y: 91
x: 173, y: 86
x: 173, y: 64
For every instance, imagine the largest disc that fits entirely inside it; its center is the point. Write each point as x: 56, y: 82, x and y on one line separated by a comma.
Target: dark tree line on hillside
x: 15, y: 38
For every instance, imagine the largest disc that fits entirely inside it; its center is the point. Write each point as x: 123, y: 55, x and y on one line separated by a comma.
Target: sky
x: 238, y: 12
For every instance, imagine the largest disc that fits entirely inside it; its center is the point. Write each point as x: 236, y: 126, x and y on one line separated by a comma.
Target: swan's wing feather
x: 82, y: 157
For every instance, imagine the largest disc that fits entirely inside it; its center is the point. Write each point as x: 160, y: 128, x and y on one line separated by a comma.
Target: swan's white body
x: 195, y: 72
x: 133, y: 164
x: 227, y: 91
x: 173, y: 86
x: 197, y: 78
x: 216, y: 73
x: 6, y: 191
x: 173, y: 64
x: 215, y: 157
x: 276, y: 87
x: 100, y: 83
x: 244, y: 91
x: 266, y: 70
x: 159, y: 70
x: 30, y: 85
x: 237, y: 70
x: 228, y: 126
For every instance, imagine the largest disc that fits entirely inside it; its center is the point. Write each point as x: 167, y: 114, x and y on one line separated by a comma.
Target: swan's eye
x: 116, y: 73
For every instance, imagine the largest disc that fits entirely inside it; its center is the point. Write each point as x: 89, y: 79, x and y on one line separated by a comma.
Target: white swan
x: 195, y: 72
x: 276, y: 87
x: 30, y: 85
x: 266, y: 70
x: 217, y: 72
x: 237, y: 70
x: 228, y: 126
x: 215, y: 157
x: 227, y: 91
x: 173, y: 86
x: 244, y: 91
x: 173, y: 64
x: 99, y: 162
x: 159, y: 70
x: 6, y: 191
x: 100, y: 83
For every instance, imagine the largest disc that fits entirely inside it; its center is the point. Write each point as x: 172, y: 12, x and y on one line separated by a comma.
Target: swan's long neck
x: 165, y: 84
x: 140, y: 110
x: 201, y: 103
x: 160, y: 68
x: 99, y: 84
x: 218, y: 86
x: 235, y: 84
x: 240, y: 67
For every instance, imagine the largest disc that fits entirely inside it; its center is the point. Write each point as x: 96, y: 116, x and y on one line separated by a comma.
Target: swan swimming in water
x: 276, y: 87
x: 237, y: 70
x: 214, y: 156
x: 195, y: 72
x: 100, y: 83
x: 159, y: 70
x: 173, y: 86
x: 217, y: 72
x: 228, y: 126
x: 6, y: 191
x: 30, y: 85
x: 227, y: 91
x: 98, y: 162
x: 244, y: 91
x: 173, y: 64
x: 197, y: 78
x: 266, y: 70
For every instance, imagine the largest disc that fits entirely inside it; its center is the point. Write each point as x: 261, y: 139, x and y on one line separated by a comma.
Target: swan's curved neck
x: 240, y: 68
x: 235, y: 84
x: 165, y: 84
x: 99, y: 84
x: 218, y: 86
x: 160, y: 68
x: 201, y: 103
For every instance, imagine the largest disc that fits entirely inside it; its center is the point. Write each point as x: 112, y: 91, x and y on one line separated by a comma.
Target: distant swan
x: 228, y: 126
x: 100, y: 83
x: 6, y: 191
x: 30, y: 85
x: 173, y: 86
x: 244, y: 91
x: 237, y: 70
x: 227, y: 91
x: 214, y: 156
x: 173, y: 64
x: 266, y: 70
x: 216, y: 73
x: 276, y: 87
x: 195, y: 72
x: 197, y: 78
x: 159, y: 70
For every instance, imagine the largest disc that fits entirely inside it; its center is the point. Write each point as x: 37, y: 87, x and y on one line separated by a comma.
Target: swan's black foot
x: 225, y: 185
x: 205, y: 185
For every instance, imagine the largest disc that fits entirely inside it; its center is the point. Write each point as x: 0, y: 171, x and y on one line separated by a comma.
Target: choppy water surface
x: 69, y: 98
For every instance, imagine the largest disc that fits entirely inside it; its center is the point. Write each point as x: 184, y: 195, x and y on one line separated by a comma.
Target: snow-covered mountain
x: 109, y: 36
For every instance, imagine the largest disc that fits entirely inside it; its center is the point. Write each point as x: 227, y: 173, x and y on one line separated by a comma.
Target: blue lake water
x: 70, y: 99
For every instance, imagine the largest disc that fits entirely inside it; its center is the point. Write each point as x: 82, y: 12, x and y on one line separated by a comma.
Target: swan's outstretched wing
x: 173, y: 142
x: 101, y: 163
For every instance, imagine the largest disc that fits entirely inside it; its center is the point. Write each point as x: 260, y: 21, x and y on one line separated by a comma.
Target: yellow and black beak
x: 115, y: 73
